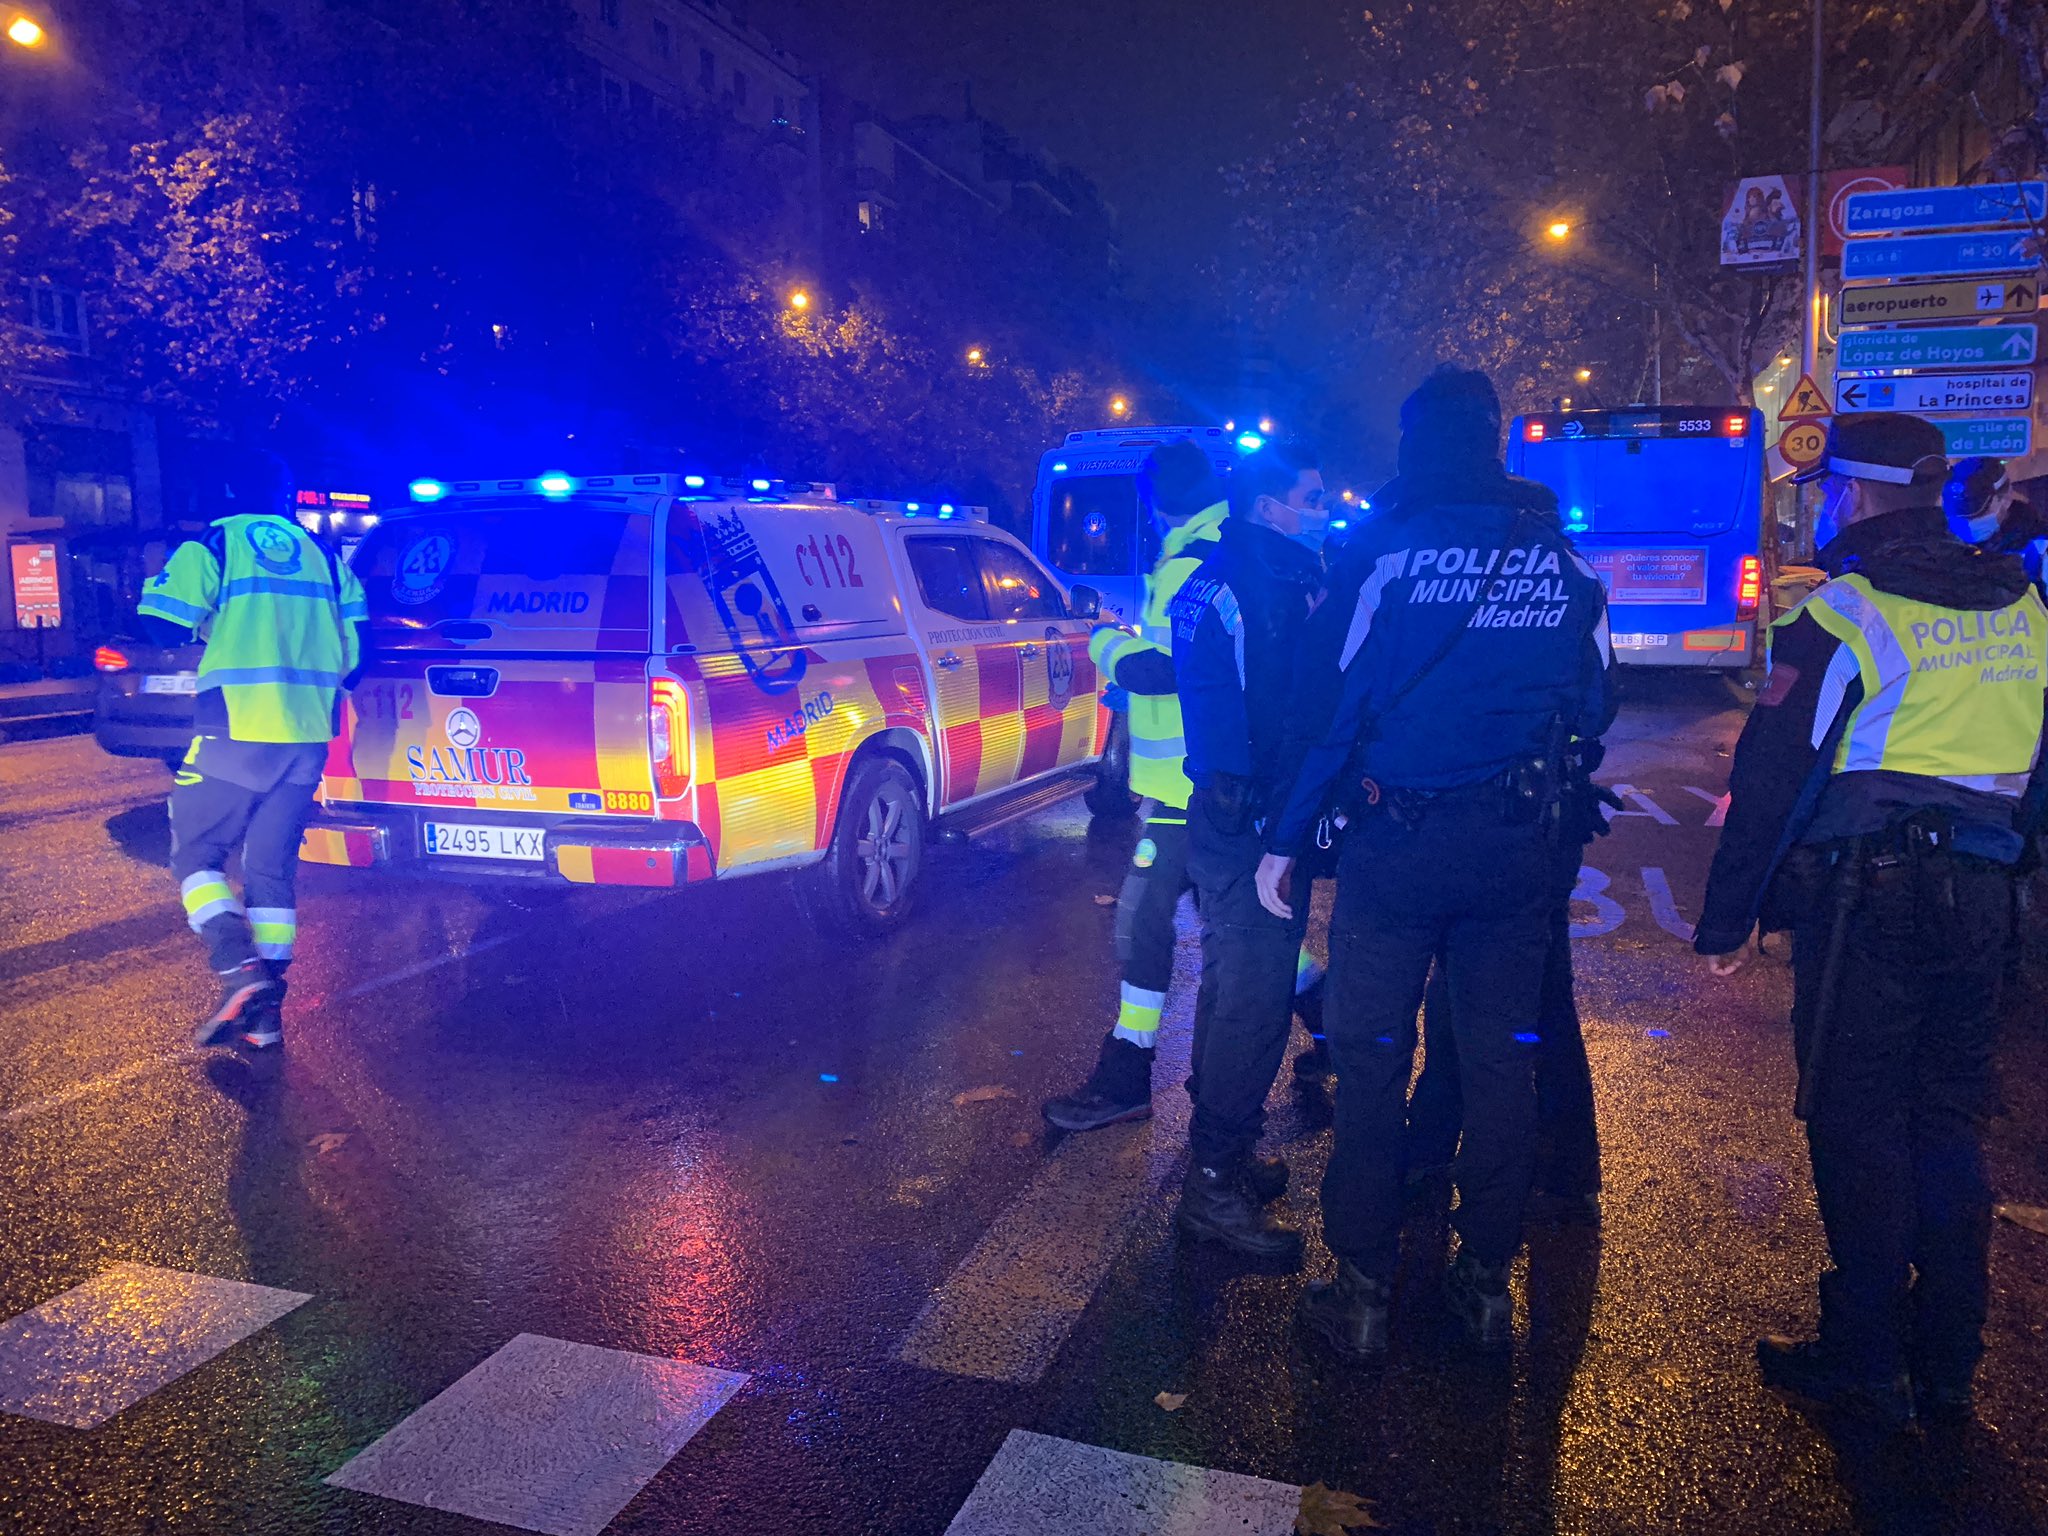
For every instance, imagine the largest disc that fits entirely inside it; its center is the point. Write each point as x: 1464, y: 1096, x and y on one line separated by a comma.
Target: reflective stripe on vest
x: 1948, y: 693
x: 1158, y: 737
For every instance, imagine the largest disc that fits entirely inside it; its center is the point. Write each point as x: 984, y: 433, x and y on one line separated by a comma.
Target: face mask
x: 1834, y: 511
x: 1978, y: 529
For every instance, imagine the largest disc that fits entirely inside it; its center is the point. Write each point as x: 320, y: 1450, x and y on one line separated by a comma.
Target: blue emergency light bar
x: 560, y: 487
x: 945, y: 510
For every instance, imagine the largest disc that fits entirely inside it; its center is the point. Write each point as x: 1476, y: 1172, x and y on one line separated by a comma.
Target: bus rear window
x: 1671, y: 487
x: 1094, y: 525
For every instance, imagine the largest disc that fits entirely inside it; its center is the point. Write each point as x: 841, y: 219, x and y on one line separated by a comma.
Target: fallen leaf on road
x: 1022, y: 1139
x: 984, y: 1095
x: 1332, y: 1512
x: 1170, y: 1401
x: 2033, y: 1217
x: 1105, y: 901
x: 327, y: 1141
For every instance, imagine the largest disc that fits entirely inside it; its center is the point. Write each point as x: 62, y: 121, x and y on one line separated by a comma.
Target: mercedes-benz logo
x: 464, y: 729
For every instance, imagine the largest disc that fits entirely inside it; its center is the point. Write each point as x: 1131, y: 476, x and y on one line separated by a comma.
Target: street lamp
x: 800, y: 300
x: 26, y: 32
x: 1583, y: 375
x: 1119, y: 406
x: 975, y: 356
x: 1559, y: 229
x: 1266, y: 425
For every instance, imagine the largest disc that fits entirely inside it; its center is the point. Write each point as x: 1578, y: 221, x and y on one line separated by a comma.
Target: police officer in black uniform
x: 1237, y: 624
x: 1476, y: 648
x: 1881, y: 796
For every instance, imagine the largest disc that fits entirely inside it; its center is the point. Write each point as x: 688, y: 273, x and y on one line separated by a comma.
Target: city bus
x: 1667, y: 505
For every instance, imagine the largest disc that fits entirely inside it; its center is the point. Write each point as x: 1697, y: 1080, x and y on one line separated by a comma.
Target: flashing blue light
x: 1528, y: 1039
x: 760, y: 485
x: 1658, y: 1034
x: 427, y: 490
x: 694, y: 482
x: 1059, y: 469
x: 1249, y: 442
x: 828, y: 1077
x: 945, y: 509
x: 911, y: 506
x: 1340, y: 522
x: 1365, y: 506
x: 556, y: 487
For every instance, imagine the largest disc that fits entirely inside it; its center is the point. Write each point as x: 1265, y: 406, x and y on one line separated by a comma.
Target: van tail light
x: 1749, y: 587
x: 110, y: 659
x: 668, y: 735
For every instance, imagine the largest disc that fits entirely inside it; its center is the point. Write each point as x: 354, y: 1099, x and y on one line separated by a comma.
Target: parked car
x: 145, y: 699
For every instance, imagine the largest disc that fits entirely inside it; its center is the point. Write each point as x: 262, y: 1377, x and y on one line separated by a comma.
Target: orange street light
x: 800, y: 300
x: 1584, y: 375
x: 1266, y: 425
x: 976, y: 356
x: 26, y: 32
x: 1119, y: 406
x: 1559, y: 229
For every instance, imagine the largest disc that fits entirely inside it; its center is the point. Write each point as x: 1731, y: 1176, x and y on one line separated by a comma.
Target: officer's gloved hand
x: 1116, y: 698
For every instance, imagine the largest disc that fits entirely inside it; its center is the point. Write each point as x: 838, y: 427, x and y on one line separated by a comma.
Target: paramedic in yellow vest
x: 1179, y: 488
x: 279, y: 615
x: 1882, y: 792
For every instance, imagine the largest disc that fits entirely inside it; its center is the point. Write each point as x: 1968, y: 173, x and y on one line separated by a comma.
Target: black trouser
x: 1145, y: 917
x: 1248, y: 969
x: 1466, y: 885
x: 210, y: 820
x: 1567, y: 1136
x: 1905, y: 1082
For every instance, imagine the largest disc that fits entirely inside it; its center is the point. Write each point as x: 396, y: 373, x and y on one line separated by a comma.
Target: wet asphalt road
x: 685, y: 1127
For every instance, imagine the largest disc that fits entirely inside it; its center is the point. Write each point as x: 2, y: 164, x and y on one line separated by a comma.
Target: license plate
x: 171, y: 682
x: 471, y: 840
x: 1640, y: 642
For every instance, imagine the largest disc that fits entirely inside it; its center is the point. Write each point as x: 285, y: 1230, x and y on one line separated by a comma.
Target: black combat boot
x: 262, y: 1028
x: 1809, y: 1368
x: 1119, y: 1089
x: 239, y: 988
x: 1217, y: 1205
x: 1266, y: 1177
x: 1349, y: 1313
x: 1477, y: 1295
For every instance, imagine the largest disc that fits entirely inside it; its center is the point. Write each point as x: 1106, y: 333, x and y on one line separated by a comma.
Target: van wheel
x: 871, y: 874
x: 1109, y: 797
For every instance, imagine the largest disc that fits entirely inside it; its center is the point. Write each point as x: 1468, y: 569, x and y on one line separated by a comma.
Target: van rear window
x: 568, y: 576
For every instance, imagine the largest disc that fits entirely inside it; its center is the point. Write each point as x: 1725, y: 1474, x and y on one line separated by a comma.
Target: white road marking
x: 422, y: 967
x: 1650, y: 808
x: 1607, y: 912
x: 1041, y: 1486
x: 1718, y: 802
x: 81, y: 1357
x: 1662, y: 906
x: 544, y: 1435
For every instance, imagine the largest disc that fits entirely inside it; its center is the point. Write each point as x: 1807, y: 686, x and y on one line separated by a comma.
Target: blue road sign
x: 1939, y: 346
x: 1939, y: 255
x: 2004, y: 203
x: 1988, y: 437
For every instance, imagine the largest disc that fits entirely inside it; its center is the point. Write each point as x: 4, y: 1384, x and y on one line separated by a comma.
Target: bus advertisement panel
x: 1666, y: 504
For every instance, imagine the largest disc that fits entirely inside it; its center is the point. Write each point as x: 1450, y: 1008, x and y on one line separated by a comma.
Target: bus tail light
x: 1532, y: 432
x: 1749, y: 587
x: 1734, y: 426
x: 668, y: 736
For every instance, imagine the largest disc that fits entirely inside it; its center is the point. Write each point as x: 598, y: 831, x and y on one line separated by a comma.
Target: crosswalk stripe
x: 1008, y: 1307
x: 544, y: 1435
x: 1041, y: 1486
x: 82, y: 1357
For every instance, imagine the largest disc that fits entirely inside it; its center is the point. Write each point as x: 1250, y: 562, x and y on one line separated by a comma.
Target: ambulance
x: 659, y: 680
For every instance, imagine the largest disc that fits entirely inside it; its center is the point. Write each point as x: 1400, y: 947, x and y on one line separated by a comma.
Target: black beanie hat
x: 1180, y: 479
x: 1451, y: 420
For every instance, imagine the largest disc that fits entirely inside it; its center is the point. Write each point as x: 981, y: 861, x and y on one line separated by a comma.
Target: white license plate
x: 470, y: 840
x: 171, y: 682
x: 1640, y: 642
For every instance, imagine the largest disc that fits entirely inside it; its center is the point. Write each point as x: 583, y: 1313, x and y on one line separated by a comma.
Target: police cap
x: 1886, y: 446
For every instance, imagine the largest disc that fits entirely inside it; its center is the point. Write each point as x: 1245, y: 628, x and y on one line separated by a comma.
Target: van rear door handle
x: 948, y: 661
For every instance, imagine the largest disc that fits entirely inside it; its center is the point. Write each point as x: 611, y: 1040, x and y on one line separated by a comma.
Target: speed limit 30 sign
x: 1803, y: 443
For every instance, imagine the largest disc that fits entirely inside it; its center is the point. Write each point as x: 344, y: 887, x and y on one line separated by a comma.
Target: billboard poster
x: 37, y: 601
x: 1760, y: 226
x: 1650, y: 575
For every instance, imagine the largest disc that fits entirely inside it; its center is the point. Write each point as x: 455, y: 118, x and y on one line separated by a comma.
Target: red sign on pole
x: 37, y: 601
x: 1835, y: 187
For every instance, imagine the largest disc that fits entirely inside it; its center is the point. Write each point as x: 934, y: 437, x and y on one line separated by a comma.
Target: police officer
x: 1180, y: 487
x: 279, y: 615
x: 1237, y: 626
x: 1475, y: 649
x: 1891, y: 751
x: 1985, y: 509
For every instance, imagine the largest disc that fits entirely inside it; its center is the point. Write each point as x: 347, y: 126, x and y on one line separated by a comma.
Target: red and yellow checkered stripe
x: 999, y: 720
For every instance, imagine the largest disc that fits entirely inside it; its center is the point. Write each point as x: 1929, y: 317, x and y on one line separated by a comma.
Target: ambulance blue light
x: 1249, y: 442
x: 694, y: 482
x: 427, y: 490
x: 555, y: 487
x: 911, y: 506
x: 761, y: 485
x: 1340, y: 522
x: 1059, y: 469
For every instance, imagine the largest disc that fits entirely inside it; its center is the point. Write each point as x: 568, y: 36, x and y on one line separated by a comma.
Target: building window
x: 870, y: 216
x: 608, y: 12
x: 614, y: 95
x: 56, y: 313
x: 739, y: 87
x: 664, y: 40
x: 707, y: 69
